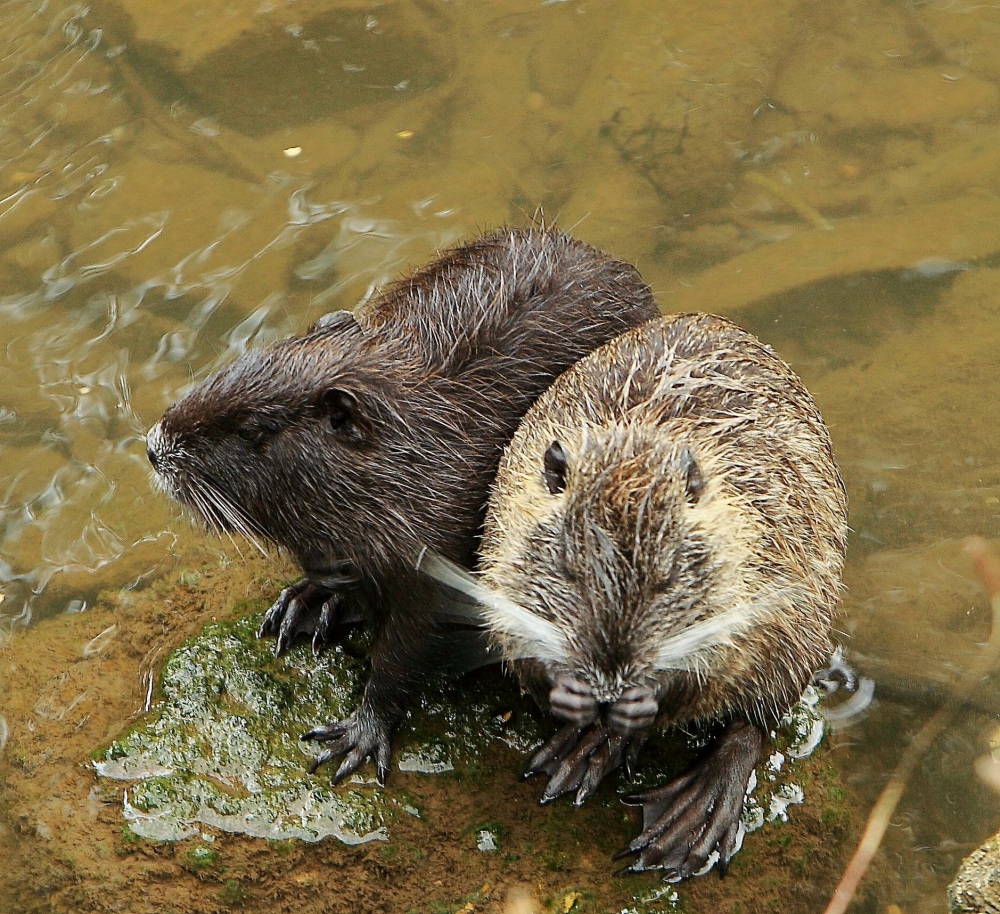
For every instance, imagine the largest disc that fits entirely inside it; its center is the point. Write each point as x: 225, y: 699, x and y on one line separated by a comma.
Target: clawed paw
x: 578, y: 758
x: 305, y: 610
x: 358, y: 738
x: 697, y: 815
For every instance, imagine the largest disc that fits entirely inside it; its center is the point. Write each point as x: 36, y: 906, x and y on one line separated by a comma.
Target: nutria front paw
x: 578, y: 759
x: 361, y: 736
x: 308, y: 610
x: 697, y: 814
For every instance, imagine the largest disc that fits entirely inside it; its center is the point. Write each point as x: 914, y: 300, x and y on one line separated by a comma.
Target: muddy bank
x: 83, y: 679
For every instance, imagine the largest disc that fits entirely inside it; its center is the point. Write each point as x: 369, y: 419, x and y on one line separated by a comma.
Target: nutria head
x: 619, y: 570
x: 285, y: 446
x: 364, y: 439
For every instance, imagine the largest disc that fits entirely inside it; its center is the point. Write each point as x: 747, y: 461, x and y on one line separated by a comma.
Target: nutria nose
x: 151, y: 437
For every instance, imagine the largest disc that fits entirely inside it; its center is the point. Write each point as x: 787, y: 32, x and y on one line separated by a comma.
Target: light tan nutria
x: 664, y: 545
x: 379, y: 431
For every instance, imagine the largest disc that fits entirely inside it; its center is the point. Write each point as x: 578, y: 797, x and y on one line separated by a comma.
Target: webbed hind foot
x: 697, y: 814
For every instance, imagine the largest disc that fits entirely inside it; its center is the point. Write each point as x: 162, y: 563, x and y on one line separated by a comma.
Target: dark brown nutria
x: 664, y: 545
x: 381, y: 430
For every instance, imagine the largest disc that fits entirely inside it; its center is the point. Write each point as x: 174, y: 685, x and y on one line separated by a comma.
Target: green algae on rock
x: 221, y: 746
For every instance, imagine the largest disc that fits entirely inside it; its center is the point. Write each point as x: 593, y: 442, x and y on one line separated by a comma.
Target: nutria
x: 381, y: 430
x: 664, y: 544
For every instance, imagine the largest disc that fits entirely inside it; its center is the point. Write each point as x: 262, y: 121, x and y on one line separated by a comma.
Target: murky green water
x: 181, y: 181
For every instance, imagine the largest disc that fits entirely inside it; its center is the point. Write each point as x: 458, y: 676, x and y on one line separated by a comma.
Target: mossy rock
x: 216, y: 756
x: 221, y: 745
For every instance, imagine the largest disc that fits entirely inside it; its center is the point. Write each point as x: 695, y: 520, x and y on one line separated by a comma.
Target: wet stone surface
x: 221, y: 747
x: 172, y: 809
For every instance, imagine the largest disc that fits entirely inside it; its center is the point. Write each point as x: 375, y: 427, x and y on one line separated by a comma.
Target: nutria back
x: 670, y: 510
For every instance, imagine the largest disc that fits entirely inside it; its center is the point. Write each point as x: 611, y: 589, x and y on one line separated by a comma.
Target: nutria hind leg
x: 578, y: 758
x: 305, y: 609
x: 686, y: 821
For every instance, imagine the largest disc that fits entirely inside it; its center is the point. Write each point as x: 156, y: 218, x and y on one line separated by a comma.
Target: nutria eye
x: 255, y: 436
x: 554, y: 464
x: 340, y: 408
x: 258, y: 430
x: 694, y: 482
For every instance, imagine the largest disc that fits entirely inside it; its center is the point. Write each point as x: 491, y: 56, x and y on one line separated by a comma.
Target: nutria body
x: 670, y: 515
x: 377, y: 432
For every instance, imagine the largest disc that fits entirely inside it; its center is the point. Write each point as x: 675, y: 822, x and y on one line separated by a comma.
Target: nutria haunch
x: 664, y: 545
x: 381, y: 430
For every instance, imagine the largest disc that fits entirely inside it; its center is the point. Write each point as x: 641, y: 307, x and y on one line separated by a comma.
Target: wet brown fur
x: 624, y: 557
x: 354, y: 445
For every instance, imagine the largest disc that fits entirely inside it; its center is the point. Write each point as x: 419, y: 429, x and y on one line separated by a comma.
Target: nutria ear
x: 335, y: 320
x: 341, y: 409
x: 694, y: 482
x: 554, y: 464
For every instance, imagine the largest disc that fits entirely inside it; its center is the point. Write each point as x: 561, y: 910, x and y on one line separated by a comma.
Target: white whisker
x: 532, y: 636
x: 220, y: 509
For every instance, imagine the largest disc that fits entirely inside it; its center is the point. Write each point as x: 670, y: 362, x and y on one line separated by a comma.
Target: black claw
x: 635, y: 846
x: 698, y: 813
x: 310, y: 610
x: 348, y: 766
x: 555, y: 749
x: 316, y: 762
x: 383, y: 760
x: 325, y: 623
x: 326, y: 733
